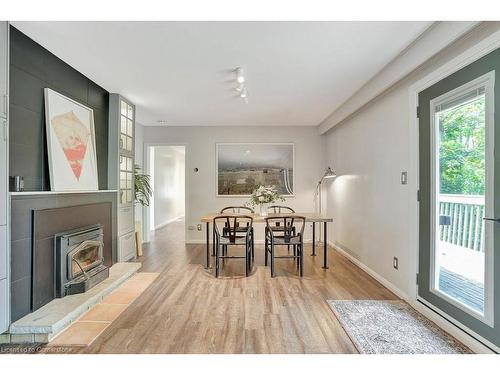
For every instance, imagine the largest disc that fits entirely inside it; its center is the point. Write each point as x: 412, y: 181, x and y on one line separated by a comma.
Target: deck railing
x: 464, y: 213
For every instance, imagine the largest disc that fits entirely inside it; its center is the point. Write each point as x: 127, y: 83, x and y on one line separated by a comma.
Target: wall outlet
x: 199, y: 227
x: 191, y: 227
x: 395, y: 263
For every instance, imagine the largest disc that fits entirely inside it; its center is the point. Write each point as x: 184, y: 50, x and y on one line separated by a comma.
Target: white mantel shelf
x: 16, y: 193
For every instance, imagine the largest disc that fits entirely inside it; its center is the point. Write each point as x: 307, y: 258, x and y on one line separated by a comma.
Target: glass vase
x: 263, y: 209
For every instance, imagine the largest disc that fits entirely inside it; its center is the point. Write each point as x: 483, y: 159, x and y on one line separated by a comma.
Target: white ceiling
x: 297, y: 72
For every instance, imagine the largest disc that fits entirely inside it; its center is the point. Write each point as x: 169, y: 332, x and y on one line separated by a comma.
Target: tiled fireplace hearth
x: 48, y: 231
x: 36, y: 219
x: 47, y: 322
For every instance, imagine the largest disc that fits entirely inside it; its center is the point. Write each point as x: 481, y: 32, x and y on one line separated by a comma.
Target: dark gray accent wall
x: 22, y: 208
x: 33, y: 68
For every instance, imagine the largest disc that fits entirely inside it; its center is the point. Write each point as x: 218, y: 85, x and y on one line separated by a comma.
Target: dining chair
x: 285, y: 237
x: 239, y: 210
x: 280, y: 210
x: 227, y: 233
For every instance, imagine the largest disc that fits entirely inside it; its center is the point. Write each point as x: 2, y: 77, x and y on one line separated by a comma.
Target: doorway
x: 166, y: 165
x: 459, y: 179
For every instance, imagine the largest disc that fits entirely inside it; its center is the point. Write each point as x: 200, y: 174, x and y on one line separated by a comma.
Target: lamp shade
x: 329, y: 173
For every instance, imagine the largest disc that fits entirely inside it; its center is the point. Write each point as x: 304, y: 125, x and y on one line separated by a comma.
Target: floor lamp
x: 329, y: 173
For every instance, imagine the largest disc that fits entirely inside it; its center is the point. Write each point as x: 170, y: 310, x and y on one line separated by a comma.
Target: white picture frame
x: 266, y: 153
x: 71, y: 146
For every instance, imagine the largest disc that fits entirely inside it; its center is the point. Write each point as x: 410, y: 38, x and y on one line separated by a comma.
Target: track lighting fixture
x: 240, y: 80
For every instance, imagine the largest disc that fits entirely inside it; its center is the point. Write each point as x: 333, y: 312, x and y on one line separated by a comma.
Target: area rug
x: 392, y: 327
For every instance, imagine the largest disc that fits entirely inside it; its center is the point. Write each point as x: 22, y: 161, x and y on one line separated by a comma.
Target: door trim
x: 146, y: 167
x: 482, y: 48
x: 487, y: 81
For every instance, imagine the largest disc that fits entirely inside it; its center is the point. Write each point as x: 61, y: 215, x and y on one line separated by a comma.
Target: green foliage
x: 462, y: 146
x: 142, y: 186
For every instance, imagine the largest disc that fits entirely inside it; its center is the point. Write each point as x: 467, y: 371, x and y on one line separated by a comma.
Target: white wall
x: 200, y: 153
x: 168, y: 184
x: 369, y: 150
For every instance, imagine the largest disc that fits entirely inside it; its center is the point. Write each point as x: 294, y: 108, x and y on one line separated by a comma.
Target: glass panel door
x: 459, y: 178
x: 461, y: 243
x: 126, y: 153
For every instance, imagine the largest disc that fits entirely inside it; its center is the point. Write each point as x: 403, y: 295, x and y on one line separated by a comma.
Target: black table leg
x: 213, y: 241
x: 314, y: 240
x: 325, y: 249
x: 208, y: 244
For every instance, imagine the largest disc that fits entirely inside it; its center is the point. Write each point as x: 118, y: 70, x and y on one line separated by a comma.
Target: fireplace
x: 79, y: 260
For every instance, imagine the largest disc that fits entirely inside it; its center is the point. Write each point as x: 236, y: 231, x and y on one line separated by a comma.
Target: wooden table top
x: 310, y: 217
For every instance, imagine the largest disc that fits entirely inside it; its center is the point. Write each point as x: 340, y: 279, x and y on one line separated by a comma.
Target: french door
x: 459, y: 244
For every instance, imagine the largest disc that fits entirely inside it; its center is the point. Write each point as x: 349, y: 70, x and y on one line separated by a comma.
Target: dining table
x: 313, y: 218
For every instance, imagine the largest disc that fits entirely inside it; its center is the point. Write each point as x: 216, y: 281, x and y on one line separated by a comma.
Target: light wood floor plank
x: 187, y: 310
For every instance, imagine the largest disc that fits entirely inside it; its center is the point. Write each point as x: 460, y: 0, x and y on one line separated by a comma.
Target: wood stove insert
x: 79, y: 260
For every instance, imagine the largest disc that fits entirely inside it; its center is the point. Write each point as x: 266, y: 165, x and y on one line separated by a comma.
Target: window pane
x: 123, y: 125
x: 123, y: 141
x: 459, y: 259
x: 123, y: 108
x: 123, y: 163
x: 130, y: 130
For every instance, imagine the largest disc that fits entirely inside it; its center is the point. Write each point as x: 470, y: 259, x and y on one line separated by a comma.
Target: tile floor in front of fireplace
x: 91, y: 324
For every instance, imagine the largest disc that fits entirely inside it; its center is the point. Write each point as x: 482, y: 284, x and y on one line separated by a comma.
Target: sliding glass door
x: 459, y: 180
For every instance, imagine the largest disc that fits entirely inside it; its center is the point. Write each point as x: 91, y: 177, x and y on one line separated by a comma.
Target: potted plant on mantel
x: 263, y: 196
x: 142, y: 195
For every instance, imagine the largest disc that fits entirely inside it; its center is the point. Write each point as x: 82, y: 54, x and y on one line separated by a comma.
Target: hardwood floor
x: 187, y: 310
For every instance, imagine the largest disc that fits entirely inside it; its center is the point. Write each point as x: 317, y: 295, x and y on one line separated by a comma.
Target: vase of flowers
x: 263, y: 196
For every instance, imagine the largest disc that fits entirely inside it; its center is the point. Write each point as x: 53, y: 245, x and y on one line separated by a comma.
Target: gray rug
x: 392, y: 327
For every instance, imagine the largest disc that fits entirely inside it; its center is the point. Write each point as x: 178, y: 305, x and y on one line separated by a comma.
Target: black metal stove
x: 79, y: 260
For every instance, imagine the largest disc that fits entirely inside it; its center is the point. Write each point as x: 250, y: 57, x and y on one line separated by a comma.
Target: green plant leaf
x: 142, y: 187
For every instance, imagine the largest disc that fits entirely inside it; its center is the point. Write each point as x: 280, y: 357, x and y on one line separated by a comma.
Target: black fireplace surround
x: 79, y: 260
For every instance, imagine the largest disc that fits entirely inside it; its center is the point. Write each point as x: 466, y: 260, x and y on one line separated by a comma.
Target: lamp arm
x: 318, y: 186
x: 317, y: 194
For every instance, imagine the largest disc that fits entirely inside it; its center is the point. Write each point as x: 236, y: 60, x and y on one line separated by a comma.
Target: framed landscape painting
x: 70, y: 143
x: 243, y: 167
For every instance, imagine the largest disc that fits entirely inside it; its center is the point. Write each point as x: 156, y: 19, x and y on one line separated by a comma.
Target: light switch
x: 404, y: 178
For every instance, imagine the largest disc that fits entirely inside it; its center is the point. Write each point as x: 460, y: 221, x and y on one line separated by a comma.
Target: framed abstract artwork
x: 70, y: 143
x: 243, y: 167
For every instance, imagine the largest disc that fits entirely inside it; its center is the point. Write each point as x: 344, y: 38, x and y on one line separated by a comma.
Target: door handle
x: 4, y: 104
x: 4, y: 130
x: 496, y: 220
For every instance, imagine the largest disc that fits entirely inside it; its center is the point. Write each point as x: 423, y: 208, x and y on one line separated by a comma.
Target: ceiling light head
x: 240, y: 87
x: 240, y: 77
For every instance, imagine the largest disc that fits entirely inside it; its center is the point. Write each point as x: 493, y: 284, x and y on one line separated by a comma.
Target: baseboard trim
x: 474, y: 344
x: 168, y: 222
x: 453, y: 329
x: 393, y: 288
